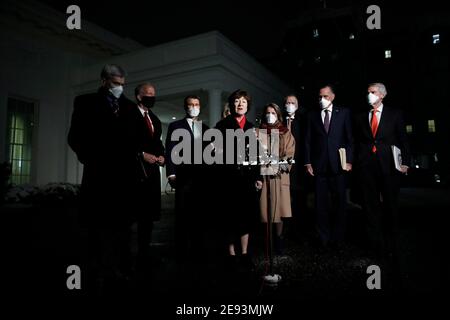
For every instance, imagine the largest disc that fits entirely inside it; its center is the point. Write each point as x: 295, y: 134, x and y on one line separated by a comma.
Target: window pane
x: 19, y: 135
x: 18, y: 139
x: 15, y: 167
x: 26, y: 170
x: 26, y: 152
x: 431, y: 126
x: 20, y: 123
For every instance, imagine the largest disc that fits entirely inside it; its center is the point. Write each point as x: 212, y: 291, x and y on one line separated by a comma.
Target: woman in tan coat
x: 275, y: 176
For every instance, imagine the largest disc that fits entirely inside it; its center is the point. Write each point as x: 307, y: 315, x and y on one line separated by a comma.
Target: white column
x: 215, y: 106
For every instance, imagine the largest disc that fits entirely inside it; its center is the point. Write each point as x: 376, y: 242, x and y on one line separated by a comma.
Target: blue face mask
x: 194, y: 112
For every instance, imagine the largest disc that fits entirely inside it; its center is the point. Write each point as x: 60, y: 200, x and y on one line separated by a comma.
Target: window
x: 409, y: 128
x: 431, y: 126
x: 20, y: 125
x: 436, y: 38
x: 387, y: 54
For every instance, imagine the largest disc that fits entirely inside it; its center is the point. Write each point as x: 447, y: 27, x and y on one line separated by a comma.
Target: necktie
x: 149, y: 123
x: 289, y: 122
x: 374, y: 126
x: 115, y: 105
x: 326, y: 120
x: 195, y: 130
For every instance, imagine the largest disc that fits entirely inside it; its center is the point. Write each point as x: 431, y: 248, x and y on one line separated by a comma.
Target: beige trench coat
x: 280, y: 197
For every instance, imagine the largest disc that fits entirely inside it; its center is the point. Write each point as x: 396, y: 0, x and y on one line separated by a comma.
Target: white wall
x: 41, y: 59
x: 39, y: 72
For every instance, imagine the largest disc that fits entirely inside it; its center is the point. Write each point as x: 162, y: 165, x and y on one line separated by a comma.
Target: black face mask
x: 148, y: 102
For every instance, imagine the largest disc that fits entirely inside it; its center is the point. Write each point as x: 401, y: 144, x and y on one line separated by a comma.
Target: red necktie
x: 374, y: 126
x: 149, y: 123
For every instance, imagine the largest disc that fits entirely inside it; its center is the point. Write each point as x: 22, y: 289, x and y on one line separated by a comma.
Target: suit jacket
x: 298, y: 128
x: 321, y: 149
x: 182, y: 171
x: 97, y: 137
x: 139, y: 139
x: 391, y: 131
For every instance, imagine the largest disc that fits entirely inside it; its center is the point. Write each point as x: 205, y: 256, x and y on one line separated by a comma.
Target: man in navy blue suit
x: 328, y: 129
x: 187, y: 178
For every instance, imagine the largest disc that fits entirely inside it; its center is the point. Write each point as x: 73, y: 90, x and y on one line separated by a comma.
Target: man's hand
x: 172, y: 181
x: 160, y: 160
x: 348, y: 167
x: 150, y: 158
x: 309, y: 169
x: 258, y: 185
x: 404, y: 169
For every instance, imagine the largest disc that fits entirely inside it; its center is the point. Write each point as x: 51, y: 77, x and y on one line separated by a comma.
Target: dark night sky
x: 254, y: 26
x: 258, y: 27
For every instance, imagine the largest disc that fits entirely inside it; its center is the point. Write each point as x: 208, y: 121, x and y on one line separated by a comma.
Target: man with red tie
x: 375, y: 133
x: 144, y: 142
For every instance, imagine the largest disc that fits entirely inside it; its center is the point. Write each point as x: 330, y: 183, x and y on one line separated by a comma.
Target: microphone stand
x: 271, y: 279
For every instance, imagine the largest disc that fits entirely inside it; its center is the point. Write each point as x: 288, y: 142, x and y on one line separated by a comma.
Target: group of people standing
x: 219, y: 206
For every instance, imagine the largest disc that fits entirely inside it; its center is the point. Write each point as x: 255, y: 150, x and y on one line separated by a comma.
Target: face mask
x: 194, y: 112
x: 116, y: 91
x: 290, y: 108
x: 271, y: 118
x: 148, y: 102
x: 372, y: 99
x: 324, y: 103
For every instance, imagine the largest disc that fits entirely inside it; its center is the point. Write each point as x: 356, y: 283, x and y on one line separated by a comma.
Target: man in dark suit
x: 188, y: 179
x: 144, y: 143
x: 295, y: 120
x: 374, y: 162
x: 97, y: 137
x: 327, y: 130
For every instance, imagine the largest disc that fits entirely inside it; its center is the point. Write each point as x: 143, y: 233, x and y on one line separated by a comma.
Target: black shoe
x: 278, y: 245
x: 246, y: 263
x: 231, y: 263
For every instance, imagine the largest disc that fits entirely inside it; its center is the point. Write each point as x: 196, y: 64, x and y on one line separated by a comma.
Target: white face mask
x: 291, y: 108
x: 324, y: 103
x: 271, y: 118
x: 194, y: 112
x: 116, y: 91
x: 372, y: 98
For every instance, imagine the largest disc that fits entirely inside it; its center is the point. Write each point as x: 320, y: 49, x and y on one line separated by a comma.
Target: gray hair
x: 138, y: 90
x: 381, y: 87
x: 112, y: 70
x: 290, y: 95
